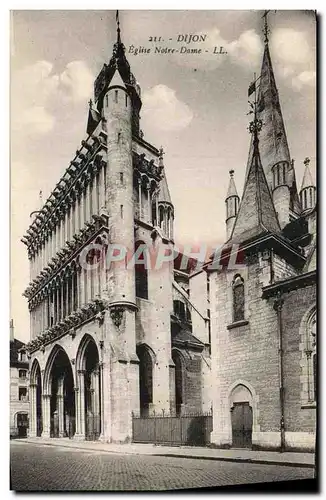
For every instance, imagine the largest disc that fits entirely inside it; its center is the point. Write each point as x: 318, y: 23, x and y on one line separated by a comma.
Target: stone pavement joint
x: 292, y: 459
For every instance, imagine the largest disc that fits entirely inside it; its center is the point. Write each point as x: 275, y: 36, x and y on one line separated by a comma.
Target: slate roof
x: 256, y: 213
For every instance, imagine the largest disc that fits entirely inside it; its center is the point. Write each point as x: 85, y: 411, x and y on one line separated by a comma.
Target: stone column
x: 96, y: 192
x: 77, y: 405
x: 149, y: 207
x: 46, y: 414
x: 106, y: 407
x: 139, y: 197
x: 32, y: 430
x: 60, y: 408
x: 87, y: 202
x: 96, y: 387
x: 80, y: 406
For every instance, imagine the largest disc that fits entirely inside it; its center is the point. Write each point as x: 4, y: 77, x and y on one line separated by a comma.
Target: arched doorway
x: 178, y: 382
x: 60, y: 382
x: 89, y: 382
x: 35, y: 423
x: 22, y: 424
x: 92, y: 392
x: 241, y: 417
x: 145, y: 379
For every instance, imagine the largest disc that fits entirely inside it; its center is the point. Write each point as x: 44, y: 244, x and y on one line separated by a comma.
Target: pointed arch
x: 47, y: 381
x: 147, y: 360
x: 34, y: 371
x: 83, y: 344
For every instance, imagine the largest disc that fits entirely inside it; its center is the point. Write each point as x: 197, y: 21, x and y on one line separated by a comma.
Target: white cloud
x: 244, y: 51
x: 294, y: 58
x: 77, y: 80
x: 164, y: 111
x: 291, y: 46
x: 247, y: 49
x: 37, y: 119
x: 36, y: 89
x: 304, y: 78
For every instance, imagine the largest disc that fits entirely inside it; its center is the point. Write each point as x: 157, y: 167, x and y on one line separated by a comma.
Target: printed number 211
x: 155, y: 39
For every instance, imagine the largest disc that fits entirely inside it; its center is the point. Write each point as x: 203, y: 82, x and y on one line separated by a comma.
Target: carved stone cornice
x: 64, y: 188
x: 67, y: 325
x: 67, y: 254
x: 148, y: 167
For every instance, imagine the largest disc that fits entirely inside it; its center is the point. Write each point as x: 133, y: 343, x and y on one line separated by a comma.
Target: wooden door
x: 241, y: 419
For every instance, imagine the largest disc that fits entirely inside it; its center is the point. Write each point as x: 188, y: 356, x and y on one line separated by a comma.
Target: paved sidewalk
x: 232, y: 455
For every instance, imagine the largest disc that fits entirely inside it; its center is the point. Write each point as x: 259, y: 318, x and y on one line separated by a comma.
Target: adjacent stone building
x: 19, y: 402
x: 263, y: 306
x: 111, y: 328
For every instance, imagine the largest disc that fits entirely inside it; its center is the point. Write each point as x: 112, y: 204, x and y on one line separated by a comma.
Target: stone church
x: 114, y: 336
x: 110, y: 339
x: 263, y: 308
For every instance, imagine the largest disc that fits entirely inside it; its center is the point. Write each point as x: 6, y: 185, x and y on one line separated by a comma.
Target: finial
x: 266, y: 30
x: 90, y: 103
x: 306, y: 161
x: 256, y: 124
x: 231, y: 172
x: 118, y: 26
x: 161, y: 152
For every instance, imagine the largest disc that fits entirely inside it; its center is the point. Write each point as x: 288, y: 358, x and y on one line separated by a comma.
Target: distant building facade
x: 19, y: 401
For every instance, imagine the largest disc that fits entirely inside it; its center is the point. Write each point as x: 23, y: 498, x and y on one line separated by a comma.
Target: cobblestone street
x: 45, y: 468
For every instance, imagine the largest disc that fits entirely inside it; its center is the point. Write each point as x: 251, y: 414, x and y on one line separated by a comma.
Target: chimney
x: 12, y: 337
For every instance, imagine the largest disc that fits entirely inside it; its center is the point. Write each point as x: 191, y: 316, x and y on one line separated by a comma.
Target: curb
x: 176, y: 455
x: 239, y: 459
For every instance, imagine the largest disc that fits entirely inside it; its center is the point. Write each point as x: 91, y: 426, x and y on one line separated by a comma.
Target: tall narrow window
x: 141, y: 271
x: 176, y: 357
x: 116, y: 96
x: 238, y: 298
x: 126, y: 100
x: 106, y: 100
x: 145, y: 379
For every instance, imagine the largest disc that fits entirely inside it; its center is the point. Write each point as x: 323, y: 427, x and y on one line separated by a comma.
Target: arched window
x: 312, y: 357
x: 179, y: 309
x: 141, y: 274
x: 145, y: 379
x: 238, y: 298
x: 179, y: 381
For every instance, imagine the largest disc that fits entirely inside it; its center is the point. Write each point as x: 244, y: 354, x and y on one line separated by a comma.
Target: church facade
x: 111, y: 333
x: 118, y: 327
x: 263, y: 306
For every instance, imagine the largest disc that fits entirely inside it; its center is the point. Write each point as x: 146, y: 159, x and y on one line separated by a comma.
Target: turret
x: 281, y: 192
x: 117, y: 103
x: 308, y: 189
x: 165, y: 208
x: 232, y: 205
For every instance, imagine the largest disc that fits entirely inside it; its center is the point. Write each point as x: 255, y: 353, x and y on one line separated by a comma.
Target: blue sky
x: 193, y: 105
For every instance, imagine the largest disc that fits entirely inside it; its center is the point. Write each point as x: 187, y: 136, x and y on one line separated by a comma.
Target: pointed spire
x: 308, y: 189
x: 307, y: 180
x: 273, y: 143
x: 164, y: 192
x: 118, y: 27
x: 232, y: 190
x: 256, y: 214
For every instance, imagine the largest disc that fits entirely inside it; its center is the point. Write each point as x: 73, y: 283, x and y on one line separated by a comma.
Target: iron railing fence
x: 191, y: 429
